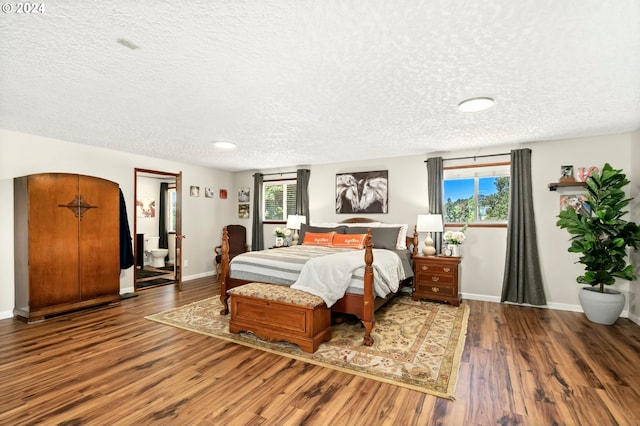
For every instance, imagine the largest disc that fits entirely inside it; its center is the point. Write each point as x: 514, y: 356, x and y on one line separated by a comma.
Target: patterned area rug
x: 417, y: 345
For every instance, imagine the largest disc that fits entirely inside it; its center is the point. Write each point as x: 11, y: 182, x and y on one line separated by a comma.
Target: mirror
x: 157, y: 229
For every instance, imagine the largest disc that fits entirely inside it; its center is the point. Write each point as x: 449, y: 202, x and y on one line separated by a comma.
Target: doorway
x: 157, y: 228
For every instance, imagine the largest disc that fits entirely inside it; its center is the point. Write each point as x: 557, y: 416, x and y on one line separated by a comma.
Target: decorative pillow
x: 355, y: 241
x: 401, y: 244
x: 317, y: 239
x: 319, y: 229
x: 382, y: 238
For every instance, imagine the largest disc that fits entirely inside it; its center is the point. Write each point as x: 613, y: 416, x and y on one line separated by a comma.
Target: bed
x: 365, y: 291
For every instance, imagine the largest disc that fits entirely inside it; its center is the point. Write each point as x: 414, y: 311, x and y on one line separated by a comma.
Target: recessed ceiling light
x: 475, y: 104
x: 225, y: 145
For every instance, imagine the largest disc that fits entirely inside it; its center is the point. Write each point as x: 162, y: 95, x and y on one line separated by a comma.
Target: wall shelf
x: 555, y: 185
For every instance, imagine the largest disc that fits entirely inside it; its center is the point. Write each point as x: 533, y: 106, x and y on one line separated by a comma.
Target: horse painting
x: 363, y: 192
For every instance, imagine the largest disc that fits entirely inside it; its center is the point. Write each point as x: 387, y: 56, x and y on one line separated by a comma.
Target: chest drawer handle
x: 424, y: 268
x: 446, y: 269
x: 435, y: 289
x: 434, y: 278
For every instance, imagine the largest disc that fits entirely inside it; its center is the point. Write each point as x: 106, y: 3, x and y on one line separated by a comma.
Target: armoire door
x: 99, y: 239
x: 53, y: 240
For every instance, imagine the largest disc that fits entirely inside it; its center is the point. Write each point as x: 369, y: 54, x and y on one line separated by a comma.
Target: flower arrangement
x: 455, y: 238
x: 282, y: 232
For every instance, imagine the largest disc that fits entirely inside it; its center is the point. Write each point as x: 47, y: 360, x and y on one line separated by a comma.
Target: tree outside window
x: 477, y: 199
x: 279, y: 200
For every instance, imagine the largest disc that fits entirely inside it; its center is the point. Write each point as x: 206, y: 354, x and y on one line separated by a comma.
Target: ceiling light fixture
x: 475, y: 104
x: 225, y: 145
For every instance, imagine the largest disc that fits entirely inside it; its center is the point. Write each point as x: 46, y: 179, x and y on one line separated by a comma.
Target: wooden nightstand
x: 437, y: 278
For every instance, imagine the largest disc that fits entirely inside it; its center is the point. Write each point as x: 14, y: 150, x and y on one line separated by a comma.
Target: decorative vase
x: 601, y: 308
x: 455, y: 250
x: 279, y: 241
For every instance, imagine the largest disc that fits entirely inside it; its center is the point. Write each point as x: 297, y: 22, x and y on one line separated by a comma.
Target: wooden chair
x: 237, y: 245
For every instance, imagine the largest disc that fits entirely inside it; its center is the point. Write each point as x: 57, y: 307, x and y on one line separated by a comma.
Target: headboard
x: 412, y: 241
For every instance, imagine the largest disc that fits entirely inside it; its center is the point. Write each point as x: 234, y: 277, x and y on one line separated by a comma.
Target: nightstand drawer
x: 435, y: 278
x: 435, y: 290
x: 437, y: 269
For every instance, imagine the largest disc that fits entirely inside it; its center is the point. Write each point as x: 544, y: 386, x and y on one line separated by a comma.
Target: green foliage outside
x: 491, y: 208
x: 274, y: 201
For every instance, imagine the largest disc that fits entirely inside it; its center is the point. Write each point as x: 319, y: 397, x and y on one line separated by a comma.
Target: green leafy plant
x: 604, y: 236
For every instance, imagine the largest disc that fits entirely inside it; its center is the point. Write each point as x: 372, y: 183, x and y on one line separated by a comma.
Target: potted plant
x: 602, y: 238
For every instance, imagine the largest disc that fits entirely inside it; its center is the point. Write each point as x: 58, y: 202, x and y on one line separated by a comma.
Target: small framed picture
x: 566, y: 174
x: 243, y: 195
x: 223, y: 194
x: 194, y: 191
x: 243, y: 211
x: 208, y: 192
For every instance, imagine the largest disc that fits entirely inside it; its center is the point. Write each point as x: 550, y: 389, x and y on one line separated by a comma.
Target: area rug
x: 417, y: 344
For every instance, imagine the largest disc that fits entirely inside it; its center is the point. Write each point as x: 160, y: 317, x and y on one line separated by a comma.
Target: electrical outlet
x: 186, y: 263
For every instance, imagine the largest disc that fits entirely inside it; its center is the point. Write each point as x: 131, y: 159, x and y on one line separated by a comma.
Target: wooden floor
x: 110, y: 366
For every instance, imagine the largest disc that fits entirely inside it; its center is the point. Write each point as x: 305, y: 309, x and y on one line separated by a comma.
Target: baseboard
x: 196, y: 276
x: 6, y: 314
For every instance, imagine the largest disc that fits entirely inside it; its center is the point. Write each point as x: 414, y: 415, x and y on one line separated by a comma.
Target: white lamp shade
x: 294, y: 221
x: 429, y: 223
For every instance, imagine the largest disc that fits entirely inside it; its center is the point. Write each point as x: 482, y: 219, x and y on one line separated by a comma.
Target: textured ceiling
x: 297, y: 82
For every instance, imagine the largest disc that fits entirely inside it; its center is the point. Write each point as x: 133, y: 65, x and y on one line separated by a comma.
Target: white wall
x: 485, y: 248
x: 23, y: 154
x: 203, y: 218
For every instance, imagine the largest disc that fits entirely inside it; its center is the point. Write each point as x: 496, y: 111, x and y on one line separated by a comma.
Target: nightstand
x: 437, y: 278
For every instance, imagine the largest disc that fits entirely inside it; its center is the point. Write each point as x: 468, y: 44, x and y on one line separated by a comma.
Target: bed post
x: 368, y: 296
x: 414, y: 252
x: 224, y: 274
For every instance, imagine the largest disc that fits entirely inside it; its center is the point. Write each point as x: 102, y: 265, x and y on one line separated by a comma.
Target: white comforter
x: 329, y: 277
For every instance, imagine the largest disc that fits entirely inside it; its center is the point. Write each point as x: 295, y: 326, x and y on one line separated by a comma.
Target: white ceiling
x: 301, y: 82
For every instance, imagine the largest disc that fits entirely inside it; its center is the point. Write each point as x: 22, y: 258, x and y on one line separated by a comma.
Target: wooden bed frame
x: 362, y: 306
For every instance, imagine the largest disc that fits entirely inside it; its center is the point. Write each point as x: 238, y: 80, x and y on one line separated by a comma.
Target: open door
x: 158, y: 201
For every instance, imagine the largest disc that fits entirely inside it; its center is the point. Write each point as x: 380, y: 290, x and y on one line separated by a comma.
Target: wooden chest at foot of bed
x: 276, y: 312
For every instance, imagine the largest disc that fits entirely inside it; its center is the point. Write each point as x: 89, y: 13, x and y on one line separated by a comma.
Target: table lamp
x: 429, y: 223
x: 293, y: 222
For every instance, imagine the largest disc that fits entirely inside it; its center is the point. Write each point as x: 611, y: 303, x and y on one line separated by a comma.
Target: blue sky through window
x: 457, y: 189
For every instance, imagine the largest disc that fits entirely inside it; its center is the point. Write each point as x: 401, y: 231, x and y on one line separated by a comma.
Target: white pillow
x: 401, y: 242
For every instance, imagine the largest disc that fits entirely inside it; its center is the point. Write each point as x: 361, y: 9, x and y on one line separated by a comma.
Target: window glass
x: 476, y: 194
x: 279, y: 200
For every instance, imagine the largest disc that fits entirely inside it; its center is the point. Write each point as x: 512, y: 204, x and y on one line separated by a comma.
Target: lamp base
x: 428, y: 249
x: 294, y: 239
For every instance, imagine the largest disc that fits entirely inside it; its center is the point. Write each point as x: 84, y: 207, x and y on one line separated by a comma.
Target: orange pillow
x: 355, y: 241
x: 317, y: 239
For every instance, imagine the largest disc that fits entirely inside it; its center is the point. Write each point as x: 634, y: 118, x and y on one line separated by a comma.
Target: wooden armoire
x: 67, y: 243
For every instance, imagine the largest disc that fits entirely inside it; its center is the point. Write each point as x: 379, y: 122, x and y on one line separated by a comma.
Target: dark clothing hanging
x: 126, y: 247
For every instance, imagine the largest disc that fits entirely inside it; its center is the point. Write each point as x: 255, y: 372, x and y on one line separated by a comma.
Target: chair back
x: 237, y: 239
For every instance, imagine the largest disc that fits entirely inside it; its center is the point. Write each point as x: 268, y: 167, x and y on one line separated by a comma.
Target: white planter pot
x: 602, y: 308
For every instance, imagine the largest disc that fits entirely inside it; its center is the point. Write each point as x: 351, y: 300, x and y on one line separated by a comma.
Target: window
x: 478, y: 194
x: 279, y: 200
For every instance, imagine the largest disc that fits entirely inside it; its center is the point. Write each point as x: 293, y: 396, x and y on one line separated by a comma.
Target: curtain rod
x: 474, y: 157
x: 273, y: 174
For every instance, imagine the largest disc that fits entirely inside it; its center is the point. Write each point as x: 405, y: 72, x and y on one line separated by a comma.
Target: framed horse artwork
x: 362, y: 192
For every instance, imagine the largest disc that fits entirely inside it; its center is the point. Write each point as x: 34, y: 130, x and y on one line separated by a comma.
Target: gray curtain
x: 162, y: 219
x: 302, y: 193
x: 257, y: 233
x: 522, y: 276
x: 434, y: 182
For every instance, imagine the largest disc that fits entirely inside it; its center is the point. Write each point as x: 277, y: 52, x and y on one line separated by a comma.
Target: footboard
x: 364, y: 310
